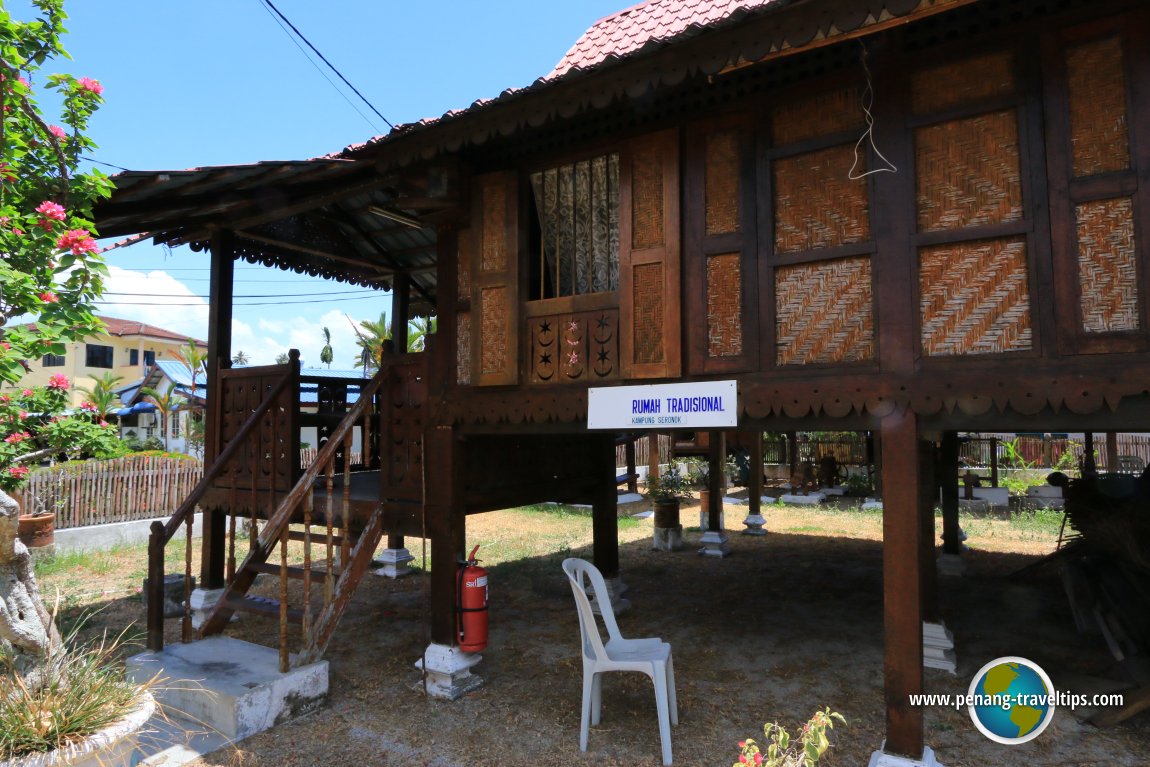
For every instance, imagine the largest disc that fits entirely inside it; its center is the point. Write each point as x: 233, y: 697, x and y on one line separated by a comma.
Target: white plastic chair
x: 652, y: 656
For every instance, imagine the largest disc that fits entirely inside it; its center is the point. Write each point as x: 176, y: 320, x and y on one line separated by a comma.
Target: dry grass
x: 787, y: 624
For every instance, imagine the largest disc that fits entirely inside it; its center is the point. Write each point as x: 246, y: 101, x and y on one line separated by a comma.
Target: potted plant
x: 666, y: 492
x: 803, y: 750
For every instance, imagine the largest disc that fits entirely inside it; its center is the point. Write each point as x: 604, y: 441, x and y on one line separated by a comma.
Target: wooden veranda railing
x: 298, y: 507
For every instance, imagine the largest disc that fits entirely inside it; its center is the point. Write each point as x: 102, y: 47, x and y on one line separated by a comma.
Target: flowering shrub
x: 809, y: 746
x: 50, y: 268
x: 34, y: 427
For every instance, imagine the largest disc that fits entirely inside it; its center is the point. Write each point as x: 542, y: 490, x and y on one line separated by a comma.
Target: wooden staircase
x: 315, y: 586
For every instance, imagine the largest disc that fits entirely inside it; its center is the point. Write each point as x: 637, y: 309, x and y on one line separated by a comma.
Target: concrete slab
x: 230, y: 686
x: 630, y: 498
x: 644, y: 514
x: 813, y: 499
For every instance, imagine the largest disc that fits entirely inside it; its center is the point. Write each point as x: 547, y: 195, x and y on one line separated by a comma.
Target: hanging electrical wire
x: 271, y: 8
x: 868, y: 135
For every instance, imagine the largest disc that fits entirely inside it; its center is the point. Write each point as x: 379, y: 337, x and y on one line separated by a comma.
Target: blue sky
x: 216, y: 82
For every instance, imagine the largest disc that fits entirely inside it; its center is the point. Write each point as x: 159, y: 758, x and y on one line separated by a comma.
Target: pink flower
x: 17, y: 232
x: 49, y: 298
x: 46, y: 225
x: 105, y: 423
x: 78, y: 241
x: 89, y: 406
x: 27, y: 393
x: 19, y: 436
x: 57, y: 131
x: 59, y: 382
x: 19, y: 472
x: 5, y: 345
x: 49, y: 209
x: 90, y: 85
x: 23, y: 415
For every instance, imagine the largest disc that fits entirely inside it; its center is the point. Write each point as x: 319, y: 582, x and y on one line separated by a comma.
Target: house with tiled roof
x: 126, y: 348
x: 911, y: 218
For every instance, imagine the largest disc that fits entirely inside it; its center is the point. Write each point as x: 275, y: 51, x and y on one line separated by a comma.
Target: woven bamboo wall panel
x: 463, y: 348
x: 816, y: 205
x: 465, y: 250
x: 724, y: 305
x: 648, y: 303
x: 494, y: 255
x: 962, y: 82
x: 494, y: 356
x: 968, y: 172
x: 1096, y: 82
x: 974, y: 298
x: 822, y: 114
x: 722, y: 182
x: 1107, y: 274
x: 824, y: 312
x: 647, y: 197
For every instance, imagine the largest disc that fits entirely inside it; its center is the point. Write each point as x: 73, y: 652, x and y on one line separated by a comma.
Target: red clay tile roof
x: 119, y: 327
x: 653, y: 21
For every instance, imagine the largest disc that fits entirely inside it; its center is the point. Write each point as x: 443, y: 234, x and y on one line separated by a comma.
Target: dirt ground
x: 787, y: 624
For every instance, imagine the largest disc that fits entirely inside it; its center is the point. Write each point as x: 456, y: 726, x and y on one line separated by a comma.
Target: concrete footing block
x: 449, y: 671
x: 202, y: 601
x: 755, y: 524
x: 230, y: 686
x: 938, y: 647
x: 715, y: 544
x: 813, y: 499
x: 882, y: 759
x: 395, y: 563
x: 615, y: 590
x: 668, y: 538
x: 951, y: 565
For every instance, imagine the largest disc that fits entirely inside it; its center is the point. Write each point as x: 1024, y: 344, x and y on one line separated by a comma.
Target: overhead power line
x: 252, y: 303
x: 253, y: 295
x: 271, y: 6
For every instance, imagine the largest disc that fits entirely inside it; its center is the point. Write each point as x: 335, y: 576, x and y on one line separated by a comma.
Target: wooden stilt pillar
x: 792, y: 453
x: 927, y: 500
x: 994, y: 461
x: 1089, y: 465
x: 948, y: 480
x: 396, y: 556
x: 221, y: 288
x: 629, y: 452
x: 902, y: 584
x: 448, y: 669
x: 754, y: 521
x: 605, y: 525
x: 715, y: 541
x: 876, y: 449
x: 652, y: 456
x: 1111, y: 451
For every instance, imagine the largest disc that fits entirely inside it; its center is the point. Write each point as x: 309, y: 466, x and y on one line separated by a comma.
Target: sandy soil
x: 789, y: 623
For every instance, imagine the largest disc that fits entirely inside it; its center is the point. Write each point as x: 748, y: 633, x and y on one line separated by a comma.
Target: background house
x: 126, y: 349
x: 140, y: 417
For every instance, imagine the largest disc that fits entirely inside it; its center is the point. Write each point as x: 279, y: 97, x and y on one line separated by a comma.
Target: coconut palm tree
x: 102, y: 394
x: 326, y: 355
x: 241, y: 359
x: 167, y: 403
x: 418, y: 330
x: 370, y: 337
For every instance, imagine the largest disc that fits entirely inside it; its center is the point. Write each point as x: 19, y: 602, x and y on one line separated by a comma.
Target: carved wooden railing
x: 162, y: 533
x: 297, y: 506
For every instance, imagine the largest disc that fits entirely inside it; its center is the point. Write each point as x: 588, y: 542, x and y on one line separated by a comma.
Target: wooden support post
x: 792, y: 452
x: 652, y: 456
x: 1111, y: 451
x: 948, y: 479
x: 400, y: 314
x: 214, y: 542
x: 604, y: 511
x: 446, y: 523
x: 928, y: 498
x: 629, y: 452
x: 994, y: 461
x: 1089, y: 465
x: 754, y: 521
x: 716, y: 469
x: 902, y: 584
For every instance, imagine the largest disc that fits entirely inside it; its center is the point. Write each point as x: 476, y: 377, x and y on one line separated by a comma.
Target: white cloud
x: 148, y: 301
x: 269, y: 338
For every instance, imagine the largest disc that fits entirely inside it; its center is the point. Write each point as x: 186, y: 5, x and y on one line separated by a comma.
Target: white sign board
x: 702, y: 405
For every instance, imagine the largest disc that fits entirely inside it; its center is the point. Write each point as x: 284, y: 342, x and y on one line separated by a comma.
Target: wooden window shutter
x: 495, y: 290
x: 649, y: 290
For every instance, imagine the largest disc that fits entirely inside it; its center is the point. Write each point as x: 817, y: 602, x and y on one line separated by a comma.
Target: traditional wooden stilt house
x: 911, y: 217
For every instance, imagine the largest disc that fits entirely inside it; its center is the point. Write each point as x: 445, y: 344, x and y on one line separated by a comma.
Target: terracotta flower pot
x: 37, y: 530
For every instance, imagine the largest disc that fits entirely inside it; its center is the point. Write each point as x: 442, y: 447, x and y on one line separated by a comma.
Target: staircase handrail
x: 189, y: 504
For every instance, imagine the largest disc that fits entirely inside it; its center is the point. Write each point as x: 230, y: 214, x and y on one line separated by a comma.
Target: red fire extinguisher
x: 472, y: 623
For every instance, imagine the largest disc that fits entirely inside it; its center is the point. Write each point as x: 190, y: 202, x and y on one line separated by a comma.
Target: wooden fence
x: 120, y: 490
